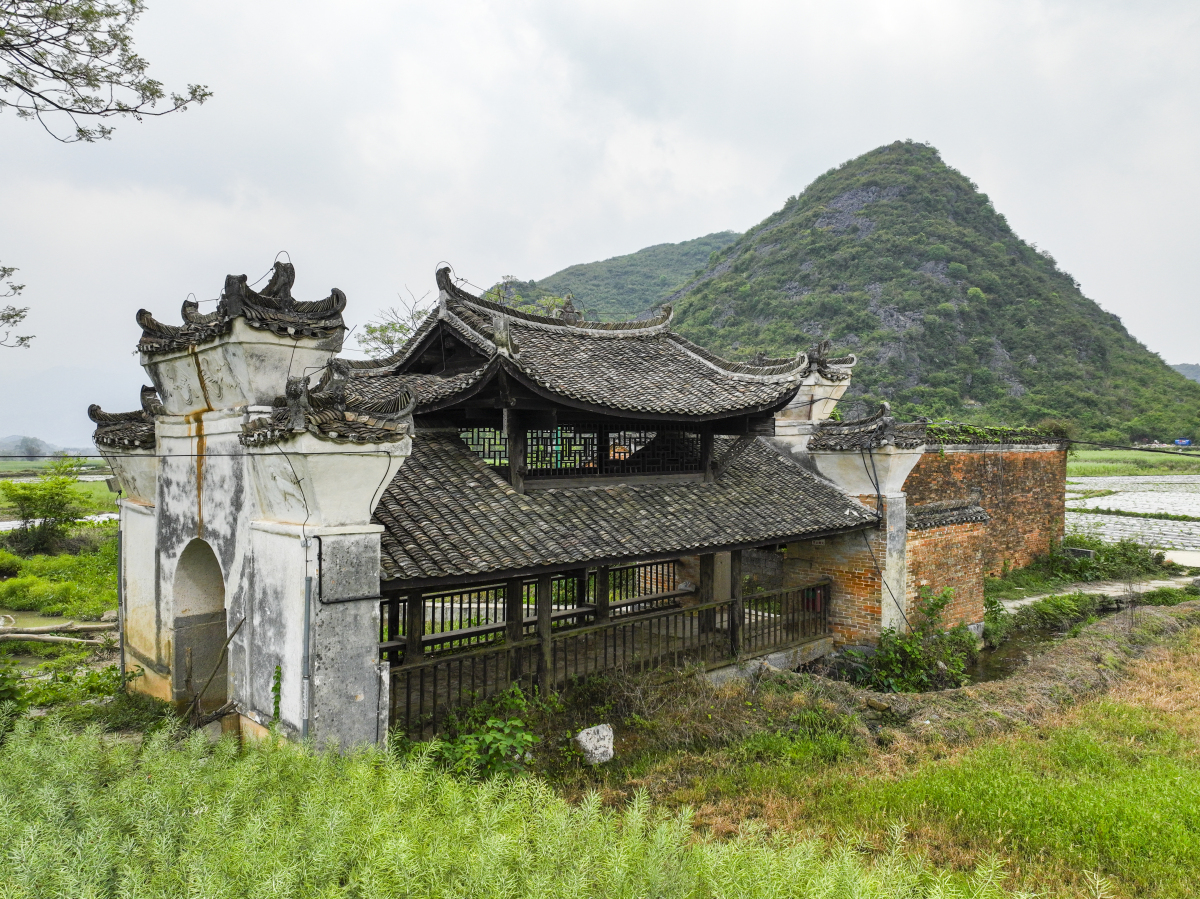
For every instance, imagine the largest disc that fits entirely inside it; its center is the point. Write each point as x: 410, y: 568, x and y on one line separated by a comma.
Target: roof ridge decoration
x: 127, y: 429
x: 876, y: 430
x: 793, y: 369
x: 272, y: 309
x: 832, y: 368
x: 333, y: 410
x: 451, y: 294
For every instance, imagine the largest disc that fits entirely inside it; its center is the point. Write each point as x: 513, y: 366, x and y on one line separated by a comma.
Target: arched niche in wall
x: 200, y: 627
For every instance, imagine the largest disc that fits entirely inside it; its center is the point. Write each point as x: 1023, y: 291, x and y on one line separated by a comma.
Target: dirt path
x: 1103, y: 588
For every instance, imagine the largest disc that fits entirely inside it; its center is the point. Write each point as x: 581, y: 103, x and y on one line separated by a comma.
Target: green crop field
x: 1121, y: 463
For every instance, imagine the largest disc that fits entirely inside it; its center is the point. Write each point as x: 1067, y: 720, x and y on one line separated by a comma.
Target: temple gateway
x: 342, y: 547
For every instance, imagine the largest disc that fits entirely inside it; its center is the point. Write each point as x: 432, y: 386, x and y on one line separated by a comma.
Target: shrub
x: 1169, y: 596
x: 46, y: 506
x: 925, y: 657
x: 10, y: 565
x: 488, y: 739
x: 78, y: 586
x: 1057, y: 612
x: 90, y: 816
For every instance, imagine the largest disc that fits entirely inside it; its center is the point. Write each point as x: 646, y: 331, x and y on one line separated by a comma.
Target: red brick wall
x: 1021, y: 489
x: 949, y: 556
x: 854, y: 609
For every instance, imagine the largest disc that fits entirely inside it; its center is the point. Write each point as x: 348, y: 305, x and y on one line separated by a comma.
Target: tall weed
x: 86, y: 816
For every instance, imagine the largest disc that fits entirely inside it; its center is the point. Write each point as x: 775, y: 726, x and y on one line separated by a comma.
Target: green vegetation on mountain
x: 624, y: 286
x: 898, y: 258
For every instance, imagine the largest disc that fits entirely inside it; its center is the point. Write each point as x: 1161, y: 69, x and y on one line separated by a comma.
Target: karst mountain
x: 900, y: 259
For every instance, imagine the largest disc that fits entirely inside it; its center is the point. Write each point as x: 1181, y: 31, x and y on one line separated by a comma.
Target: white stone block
x: 596, y: 744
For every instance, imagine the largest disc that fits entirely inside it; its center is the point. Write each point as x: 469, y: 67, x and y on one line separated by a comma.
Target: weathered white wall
x: 270, y: 515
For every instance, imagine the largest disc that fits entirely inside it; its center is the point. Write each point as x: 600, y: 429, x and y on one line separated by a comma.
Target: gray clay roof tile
x: 448, y: 514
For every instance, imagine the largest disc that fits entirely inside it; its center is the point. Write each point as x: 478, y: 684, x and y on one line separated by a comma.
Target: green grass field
x: 1122, y: 463
x: 13, y: 467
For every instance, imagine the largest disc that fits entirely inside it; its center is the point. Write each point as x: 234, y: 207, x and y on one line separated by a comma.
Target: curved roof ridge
x: 604, y: 329
x: 792, y: 369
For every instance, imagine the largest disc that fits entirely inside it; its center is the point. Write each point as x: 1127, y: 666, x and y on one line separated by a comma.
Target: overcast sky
x: 372, y: 140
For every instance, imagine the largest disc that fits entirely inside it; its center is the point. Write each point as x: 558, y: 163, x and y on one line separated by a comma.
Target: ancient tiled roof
x: 874, y: 431
x: 945, y: 512
x: 447, y: 514
x: 334, y: 410
x: 127, y: 430
x: 637, y: 368
x: 272, y: 309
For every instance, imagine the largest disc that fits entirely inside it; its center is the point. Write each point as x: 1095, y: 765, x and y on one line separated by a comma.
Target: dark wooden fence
x: 569, y: 639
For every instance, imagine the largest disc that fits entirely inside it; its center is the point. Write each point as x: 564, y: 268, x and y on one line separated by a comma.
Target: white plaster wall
x: 264, y: 512
x: 142, y: 614
x: 247, y: 367
x: 880, y: 470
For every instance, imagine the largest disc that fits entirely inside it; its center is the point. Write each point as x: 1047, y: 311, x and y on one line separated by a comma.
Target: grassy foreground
x: 82, y: 815
x: 1081, y: 771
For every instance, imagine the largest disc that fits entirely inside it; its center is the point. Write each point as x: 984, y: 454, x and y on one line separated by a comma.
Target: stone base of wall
x: 949, y: 556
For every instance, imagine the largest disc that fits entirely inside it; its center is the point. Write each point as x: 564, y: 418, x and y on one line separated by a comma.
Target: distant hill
x: 624, y: 286
x: 900, y: 259
x: 1188, y: 370
x: 18, y: 445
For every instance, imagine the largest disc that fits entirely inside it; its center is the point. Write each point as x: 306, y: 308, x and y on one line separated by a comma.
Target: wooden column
x: 737, y: 612
x: 602, y: 593
x: 708, y: 566
x: 545, y: 600
x: 581, y: 587
x: 393, y: 627
x: 706, y: 456
x: 414, y: 628
x: 514, y: 624
x: 514, y: 430
x: 603, y: 464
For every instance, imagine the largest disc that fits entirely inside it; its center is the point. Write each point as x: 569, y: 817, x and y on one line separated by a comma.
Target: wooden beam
x: 398, y: 585
x: 581, y: 587
x: 393, y: 628
x: 708, y: 566
x: 545, y: 610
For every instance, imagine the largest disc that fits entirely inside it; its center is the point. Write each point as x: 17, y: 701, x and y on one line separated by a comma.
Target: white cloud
x: 373, y: 139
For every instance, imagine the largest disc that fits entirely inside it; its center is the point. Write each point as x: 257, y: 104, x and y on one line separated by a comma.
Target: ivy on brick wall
x: 956, y: 433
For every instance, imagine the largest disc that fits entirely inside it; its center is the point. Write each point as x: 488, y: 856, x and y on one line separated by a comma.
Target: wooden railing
x: 668, y: 629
